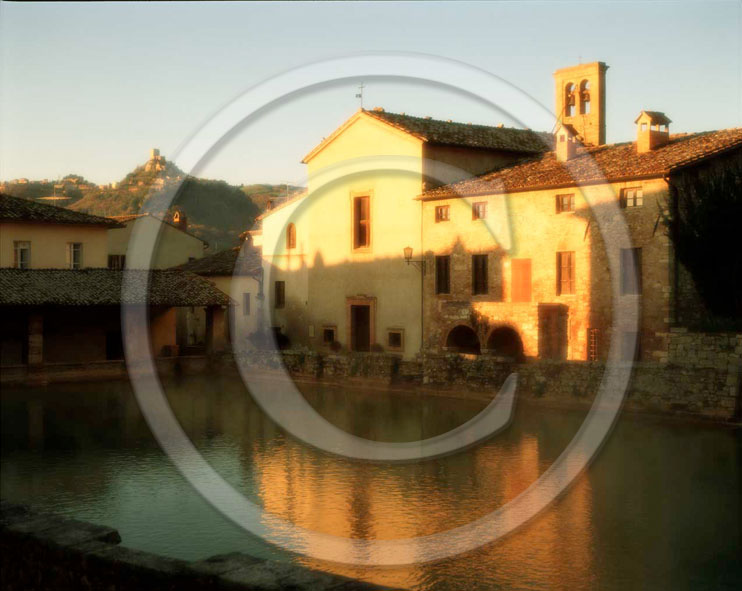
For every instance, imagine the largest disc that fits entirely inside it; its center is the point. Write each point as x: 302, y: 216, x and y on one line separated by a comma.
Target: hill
x: 217, y: 211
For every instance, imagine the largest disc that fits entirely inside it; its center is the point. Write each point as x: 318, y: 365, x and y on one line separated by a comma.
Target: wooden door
x: 552, y: 331
x: 360, y: 327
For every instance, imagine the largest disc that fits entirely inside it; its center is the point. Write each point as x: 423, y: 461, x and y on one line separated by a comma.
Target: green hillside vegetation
x: 217, y: 211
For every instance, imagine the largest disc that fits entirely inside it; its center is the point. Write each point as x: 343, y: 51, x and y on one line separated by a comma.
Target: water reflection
x: 658, y: 508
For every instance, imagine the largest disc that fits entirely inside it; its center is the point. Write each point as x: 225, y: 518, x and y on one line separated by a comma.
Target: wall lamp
x: 420, y: 264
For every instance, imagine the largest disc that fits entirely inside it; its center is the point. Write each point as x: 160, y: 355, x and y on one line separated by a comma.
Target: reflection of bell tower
x: 580, y: 100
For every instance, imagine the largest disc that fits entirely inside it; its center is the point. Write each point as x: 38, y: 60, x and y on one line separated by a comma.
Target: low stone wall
x: 47, y: 552
x: 695, y: 381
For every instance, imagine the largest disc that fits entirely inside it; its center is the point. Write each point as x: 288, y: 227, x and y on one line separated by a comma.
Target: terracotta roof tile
x: 454, y: 133
x: 614, y: 162
x: 15, y: 209
x: 227, y: 263
x: 102, y: 287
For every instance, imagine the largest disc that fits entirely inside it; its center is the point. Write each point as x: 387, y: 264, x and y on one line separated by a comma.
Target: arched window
x: 291, y: 236
x: 569, y: 100
x: 584, y: 97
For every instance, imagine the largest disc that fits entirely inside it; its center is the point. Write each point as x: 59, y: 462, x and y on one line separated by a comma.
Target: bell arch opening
x: 463, y: 339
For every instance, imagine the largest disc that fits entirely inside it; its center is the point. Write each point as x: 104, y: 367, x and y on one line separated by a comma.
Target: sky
x: 89, y: 88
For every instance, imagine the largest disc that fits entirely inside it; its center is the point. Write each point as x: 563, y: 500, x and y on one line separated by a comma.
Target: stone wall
x: 46, y: 552
x: 701, y: 375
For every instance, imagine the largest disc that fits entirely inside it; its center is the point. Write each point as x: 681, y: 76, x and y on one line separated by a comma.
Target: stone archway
x: 463, y: 339
x: 504, y: 341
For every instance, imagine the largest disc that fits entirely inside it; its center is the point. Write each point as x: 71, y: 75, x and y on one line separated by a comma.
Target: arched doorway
x: 505, y: 342
x: 463, y: 339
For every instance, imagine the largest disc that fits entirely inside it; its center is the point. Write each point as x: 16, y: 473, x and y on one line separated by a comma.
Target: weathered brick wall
x: 42, y: 552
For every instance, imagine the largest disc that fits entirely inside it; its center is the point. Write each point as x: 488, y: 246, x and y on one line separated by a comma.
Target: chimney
x: 566, y: 142
x: 652, y: 130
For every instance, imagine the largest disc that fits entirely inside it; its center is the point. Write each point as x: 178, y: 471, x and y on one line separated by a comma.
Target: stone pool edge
x: 45, y: 551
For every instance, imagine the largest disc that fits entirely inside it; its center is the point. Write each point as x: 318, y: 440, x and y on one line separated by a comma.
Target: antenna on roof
x: 359, y: 95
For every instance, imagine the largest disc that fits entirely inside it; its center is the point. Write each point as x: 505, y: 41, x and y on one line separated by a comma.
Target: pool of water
x: 659, y: 508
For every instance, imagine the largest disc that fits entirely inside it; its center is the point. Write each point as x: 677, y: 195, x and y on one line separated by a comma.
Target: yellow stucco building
x: 334, y: 256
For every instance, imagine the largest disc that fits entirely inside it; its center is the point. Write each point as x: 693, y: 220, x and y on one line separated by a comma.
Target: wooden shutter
x: 565, y: 273
x: 443, y: 274
x: 361, y: 222
x: 480, y: 283
x: 521, y: 280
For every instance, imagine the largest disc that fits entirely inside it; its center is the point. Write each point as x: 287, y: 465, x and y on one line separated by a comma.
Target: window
x: 565, y: 273
x: 328, y: 335
x: 116, y: 261
x: 361, y: 222
x: 479, y: 210
x: 74, y: 255
x: 644, y: 127
x: 22, y: 254
x: 631, y: 346
x: 632, y: 197
x: 520, y: 270
x: 443, y: 274
x: 245, y: 304
x: 631, y: 271
x: 291, y: 236
x: 565, y: 203
x: 395, y: 339
x: 442, y: 213
x: 280, y: 294
x: 479, y: 284
x: 593, y: 335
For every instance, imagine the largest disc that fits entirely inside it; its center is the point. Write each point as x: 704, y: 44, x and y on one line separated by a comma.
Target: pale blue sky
x: 90, y: 88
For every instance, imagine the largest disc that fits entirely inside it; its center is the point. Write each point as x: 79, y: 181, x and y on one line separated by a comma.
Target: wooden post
x: 35, y: 340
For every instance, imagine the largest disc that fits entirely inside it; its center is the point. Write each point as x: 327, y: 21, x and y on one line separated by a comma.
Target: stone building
x: 547, y: 292
x: 237, y: 272
x: 501, y: 225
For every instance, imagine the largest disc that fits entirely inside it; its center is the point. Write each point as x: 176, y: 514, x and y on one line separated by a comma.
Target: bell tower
x: 580, y: 100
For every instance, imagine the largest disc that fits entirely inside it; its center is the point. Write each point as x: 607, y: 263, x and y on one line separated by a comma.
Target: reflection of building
x: 502, y: 224
x: 60, y: 304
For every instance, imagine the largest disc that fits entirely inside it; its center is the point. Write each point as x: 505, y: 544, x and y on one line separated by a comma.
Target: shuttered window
x: 280, y: 294
x: 631, y: 271
x: 520, y: 270
x: 479, y: 274
x: 361, y: 222
x: 291, y: 236
x: 479, y: 210
x: 565, y: 273
x: 443, y: 274
x: 632, y: 197
x: 442, y: 213
x: 565, y: 203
